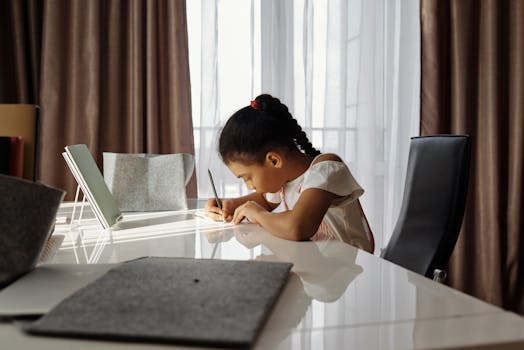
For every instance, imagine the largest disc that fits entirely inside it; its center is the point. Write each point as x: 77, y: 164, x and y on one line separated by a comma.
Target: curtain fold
x: 111, y: 74
x: 473, y: 83
x: 20, y: 40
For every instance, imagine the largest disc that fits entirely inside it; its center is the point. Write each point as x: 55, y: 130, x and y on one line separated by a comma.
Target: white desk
x: 337, y: 298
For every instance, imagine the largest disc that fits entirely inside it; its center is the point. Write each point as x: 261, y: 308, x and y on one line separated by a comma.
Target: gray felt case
x: 148, y: 182
x: 172, y: 300
x: 27, y: 217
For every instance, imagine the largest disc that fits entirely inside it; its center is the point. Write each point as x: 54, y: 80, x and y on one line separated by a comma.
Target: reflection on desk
x: 326, y: 268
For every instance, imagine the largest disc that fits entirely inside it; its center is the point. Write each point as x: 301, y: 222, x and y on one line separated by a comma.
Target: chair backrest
x: 22, y: 120
x: 433, y: 205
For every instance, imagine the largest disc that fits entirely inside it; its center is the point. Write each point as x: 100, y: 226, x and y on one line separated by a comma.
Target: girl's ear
x: 274, y: 159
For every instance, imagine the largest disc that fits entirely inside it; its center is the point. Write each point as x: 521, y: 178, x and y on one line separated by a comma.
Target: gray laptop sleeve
x: 172, y: 300
x: 27, y: 217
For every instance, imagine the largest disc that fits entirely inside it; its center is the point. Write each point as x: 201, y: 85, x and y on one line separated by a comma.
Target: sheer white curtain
x: 348, y: 70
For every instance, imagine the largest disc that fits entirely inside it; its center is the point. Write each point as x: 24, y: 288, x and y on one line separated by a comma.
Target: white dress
x: 344, y: 219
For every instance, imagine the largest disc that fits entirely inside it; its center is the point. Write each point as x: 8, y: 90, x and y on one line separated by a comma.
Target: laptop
x: 47, y: 285
x: 90, y: 179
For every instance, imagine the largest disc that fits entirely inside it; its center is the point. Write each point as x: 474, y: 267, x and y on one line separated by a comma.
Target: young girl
x: 264, y: 145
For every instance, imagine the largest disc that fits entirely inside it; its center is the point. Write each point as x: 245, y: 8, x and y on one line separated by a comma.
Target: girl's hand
x: 248, y: 210
x: 225, y: 214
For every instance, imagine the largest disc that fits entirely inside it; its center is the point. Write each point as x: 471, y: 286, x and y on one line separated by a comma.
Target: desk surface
x: 338, y: 297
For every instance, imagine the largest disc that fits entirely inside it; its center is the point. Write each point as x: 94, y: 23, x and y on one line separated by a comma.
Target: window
x: 348, y: 71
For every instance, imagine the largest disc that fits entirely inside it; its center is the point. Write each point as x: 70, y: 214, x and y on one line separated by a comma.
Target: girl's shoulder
x: 327, y: 165
x: 328, y: 172
x: 326, y: 157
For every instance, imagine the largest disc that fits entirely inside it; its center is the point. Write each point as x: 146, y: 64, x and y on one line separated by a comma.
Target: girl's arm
x: 298, y: 224
x: 230, y: 204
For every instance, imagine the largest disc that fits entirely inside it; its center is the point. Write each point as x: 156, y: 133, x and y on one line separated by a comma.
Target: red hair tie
x: 255, y: 105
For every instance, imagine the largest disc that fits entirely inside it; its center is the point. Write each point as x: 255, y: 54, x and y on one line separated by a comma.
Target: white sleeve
x: 332, y: 176
x: 273, y: 197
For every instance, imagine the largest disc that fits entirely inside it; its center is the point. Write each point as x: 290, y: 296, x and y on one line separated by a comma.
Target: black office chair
x: 433, y: 205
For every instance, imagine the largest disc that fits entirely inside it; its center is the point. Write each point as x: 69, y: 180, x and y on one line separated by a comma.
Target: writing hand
x: 214, y: 212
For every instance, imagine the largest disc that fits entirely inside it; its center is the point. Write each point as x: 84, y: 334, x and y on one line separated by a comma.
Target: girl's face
x: 262, y: 178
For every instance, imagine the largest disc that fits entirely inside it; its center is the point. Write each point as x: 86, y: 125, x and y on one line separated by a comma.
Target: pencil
x: 214, y: 189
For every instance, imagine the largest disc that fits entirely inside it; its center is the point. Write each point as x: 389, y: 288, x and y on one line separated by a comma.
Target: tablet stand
x: 76, y: 204
x: 75, y: 225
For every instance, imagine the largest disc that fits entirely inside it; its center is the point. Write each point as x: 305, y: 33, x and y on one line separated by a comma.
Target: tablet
x: 90, y: 179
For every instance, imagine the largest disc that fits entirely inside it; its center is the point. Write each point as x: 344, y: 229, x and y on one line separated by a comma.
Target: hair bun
x: 267, y: 102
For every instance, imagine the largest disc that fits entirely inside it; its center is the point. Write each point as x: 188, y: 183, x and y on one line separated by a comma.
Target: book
x: 90, y: 179
x: 5, y: 144
x: 12, y: 155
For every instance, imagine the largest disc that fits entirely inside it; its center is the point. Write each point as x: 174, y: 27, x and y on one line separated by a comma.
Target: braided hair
x: 264, y: 125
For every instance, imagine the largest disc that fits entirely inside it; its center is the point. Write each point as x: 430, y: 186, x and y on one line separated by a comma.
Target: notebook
x: 90, y: 179
x: 222, y: 303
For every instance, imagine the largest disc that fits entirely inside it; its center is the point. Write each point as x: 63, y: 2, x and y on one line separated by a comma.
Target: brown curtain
x: 114, y: 75
x: 473, y: 83
x: 20, y: 39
